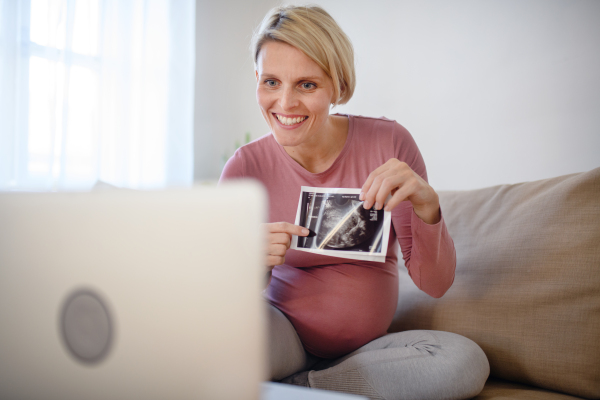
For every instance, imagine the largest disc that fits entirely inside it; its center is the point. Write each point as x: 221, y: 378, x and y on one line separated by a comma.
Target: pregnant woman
x: 329, y: 315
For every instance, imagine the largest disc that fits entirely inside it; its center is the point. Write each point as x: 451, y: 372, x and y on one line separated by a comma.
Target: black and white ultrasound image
x: 339, y: 221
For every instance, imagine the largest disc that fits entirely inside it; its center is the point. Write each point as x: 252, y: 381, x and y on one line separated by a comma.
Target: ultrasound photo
x: 338, y: 222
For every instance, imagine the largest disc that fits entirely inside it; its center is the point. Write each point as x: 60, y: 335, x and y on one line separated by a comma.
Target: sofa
x: 527, y: 286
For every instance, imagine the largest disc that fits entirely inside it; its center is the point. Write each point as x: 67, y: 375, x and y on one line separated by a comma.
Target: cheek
x: 264, y: 98
x: 264, y: 103
x: 320, y: 105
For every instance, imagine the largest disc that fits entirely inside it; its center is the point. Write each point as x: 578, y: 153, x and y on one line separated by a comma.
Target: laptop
x: 132, y: 295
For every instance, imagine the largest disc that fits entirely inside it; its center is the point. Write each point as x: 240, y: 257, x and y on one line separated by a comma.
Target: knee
x: 410, y: 365
x: 458, y: 366
x: 468, y: 365
x: 467, y: 351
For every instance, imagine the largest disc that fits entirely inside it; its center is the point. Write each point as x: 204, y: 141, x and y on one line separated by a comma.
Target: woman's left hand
x: 398, y: 179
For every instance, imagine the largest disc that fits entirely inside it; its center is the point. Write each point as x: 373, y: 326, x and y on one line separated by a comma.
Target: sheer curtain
x: 96, y: 90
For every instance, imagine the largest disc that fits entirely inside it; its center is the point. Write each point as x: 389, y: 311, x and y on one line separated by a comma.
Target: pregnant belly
x: 336, y: 309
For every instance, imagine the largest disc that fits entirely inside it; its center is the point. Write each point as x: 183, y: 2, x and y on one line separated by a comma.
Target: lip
x: 289, y: 127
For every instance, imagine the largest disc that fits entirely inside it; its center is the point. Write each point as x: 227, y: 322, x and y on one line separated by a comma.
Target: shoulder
x: 383, y: 129
x: 248, y: 158
x: 391, y: 135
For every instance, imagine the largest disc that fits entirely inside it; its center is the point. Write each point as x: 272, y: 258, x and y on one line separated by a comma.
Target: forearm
x: 432, y: 259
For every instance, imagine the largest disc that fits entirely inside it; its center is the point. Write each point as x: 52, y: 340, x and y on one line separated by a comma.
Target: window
x: 96, y: 90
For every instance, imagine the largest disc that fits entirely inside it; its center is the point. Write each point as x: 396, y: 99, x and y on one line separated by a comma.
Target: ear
x: 342, y: 90
x: 256, y: 73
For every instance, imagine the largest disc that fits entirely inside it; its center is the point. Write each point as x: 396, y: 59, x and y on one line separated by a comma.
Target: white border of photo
x: 353, y: 255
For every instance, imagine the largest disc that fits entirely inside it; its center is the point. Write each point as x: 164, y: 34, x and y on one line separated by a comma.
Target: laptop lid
x: 125, y: 294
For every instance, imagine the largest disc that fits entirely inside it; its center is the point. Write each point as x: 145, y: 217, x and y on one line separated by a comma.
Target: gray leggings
x: 405, y: 365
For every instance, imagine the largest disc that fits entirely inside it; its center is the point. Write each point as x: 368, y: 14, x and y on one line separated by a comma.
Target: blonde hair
x: 314, y: 32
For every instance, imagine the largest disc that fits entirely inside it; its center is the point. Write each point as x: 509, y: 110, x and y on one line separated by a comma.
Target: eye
x: 308, y: 85
x: 271, y: 82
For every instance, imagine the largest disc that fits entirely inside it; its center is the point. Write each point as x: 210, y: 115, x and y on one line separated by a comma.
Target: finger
x: 371, y: 195
x: 399, y: 196
x: 367, y: 185
x: 296, y: 230
x: 389, y: 186
x: 403, y: 179
x: 277, y: 250
x: 390, y: 181
x: 275, y: 260
x: 279, y: 238
x: 286, y: 227
x: 275, y: 227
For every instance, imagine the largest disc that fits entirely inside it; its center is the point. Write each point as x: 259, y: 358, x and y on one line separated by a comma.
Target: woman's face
x: 293, y: 93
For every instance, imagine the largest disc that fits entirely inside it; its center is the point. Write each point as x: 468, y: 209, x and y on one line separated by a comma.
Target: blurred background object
x: 96, y: 89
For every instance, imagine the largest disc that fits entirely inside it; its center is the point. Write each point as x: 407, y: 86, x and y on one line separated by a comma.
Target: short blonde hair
x: 314, y: 32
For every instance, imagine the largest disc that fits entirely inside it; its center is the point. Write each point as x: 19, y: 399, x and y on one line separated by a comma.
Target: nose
x: 288, y: 99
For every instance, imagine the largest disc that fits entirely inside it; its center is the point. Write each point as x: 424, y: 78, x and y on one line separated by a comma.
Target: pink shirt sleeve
x: 234, y: 168
x: 428, y: 250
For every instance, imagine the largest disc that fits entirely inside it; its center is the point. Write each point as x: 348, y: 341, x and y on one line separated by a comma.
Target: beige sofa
x: 527, y: 286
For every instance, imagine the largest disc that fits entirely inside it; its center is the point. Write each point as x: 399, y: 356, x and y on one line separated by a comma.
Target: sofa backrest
x: 527, y: 286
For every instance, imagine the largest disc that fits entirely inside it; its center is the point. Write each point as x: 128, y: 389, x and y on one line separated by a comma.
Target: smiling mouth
x: 290, y: 121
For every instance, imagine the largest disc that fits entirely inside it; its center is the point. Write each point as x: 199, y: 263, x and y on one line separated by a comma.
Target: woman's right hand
x: 279, y: 239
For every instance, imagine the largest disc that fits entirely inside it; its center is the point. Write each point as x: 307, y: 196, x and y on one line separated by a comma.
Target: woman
x: 329, y: 315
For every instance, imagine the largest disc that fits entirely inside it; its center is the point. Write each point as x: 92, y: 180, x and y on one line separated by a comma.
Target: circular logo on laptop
x: 86, y: 326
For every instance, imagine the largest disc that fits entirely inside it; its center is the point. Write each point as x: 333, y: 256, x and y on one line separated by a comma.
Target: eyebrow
x: 303, y: 78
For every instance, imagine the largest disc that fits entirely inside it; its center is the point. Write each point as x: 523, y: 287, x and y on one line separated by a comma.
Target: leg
x: 286, y: 353
x: 407, y: 365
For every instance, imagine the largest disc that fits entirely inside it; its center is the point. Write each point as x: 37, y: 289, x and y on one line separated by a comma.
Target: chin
x: 285, y: 140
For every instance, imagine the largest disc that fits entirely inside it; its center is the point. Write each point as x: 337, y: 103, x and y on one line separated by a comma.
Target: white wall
x: 493, y: 92
x: 225, y: 104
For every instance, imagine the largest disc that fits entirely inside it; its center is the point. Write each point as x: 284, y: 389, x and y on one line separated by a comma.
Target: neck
x: 319, y: 154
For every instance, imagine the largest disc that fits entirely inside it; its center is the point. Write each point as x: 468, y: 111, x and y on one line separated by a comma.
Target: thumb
x: 298, y: 230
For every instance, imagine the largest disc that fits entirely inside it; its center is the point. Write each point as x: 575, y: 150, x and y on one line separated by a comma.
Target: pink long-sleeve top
x: 335, y: 304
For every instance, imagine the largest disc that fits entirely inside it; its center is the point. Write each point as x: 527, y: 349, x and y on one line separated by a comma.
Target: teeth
x: 290, y: 121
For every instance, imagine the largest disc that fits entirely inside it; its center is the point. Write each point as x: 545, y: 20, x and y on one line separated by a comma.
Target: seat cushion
x: 527, y: 286
x: 496, y: 389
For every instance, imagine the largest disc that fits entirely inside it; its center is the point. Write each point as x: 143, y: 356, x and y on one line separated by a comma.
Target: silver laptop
x: 132, y: 295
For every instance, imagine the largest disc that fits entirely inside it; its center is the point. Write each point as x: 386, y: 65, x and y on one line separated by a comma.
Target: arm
x: 427, y: 248
x: 279, y: 234
x: 234, y: 168
x: 428, y: 251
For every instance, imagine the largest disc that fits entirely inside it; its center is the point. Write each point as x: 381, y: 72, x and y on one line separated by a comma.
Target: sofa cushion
x: 527, y: 286
x: 496, y: 389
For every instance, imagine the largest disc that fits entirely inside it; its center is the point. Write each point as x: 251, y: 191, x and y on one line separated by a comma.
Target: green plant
x: 237, y: 145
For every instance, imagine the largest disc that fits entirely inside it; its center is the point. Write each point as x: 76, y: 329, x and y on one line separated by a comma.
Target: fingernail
x: 377, y: 206
x: 361, y: 196
x: 305, y: 231
x: 366, y: 205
